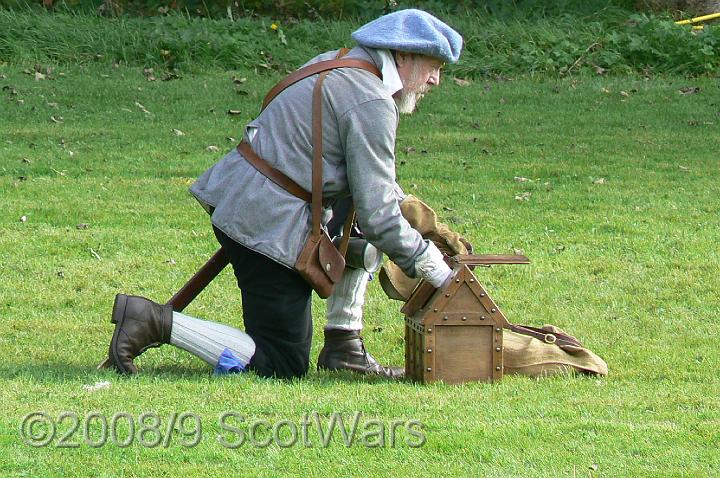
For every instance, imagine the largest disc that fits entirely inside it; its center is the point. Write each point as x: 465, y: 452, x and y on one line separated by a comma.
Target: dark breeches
x: 276, y: 311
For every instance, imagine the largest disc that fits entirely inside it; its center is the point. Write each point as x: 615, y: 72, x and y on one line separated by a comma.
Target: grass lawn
x: 619, y: 216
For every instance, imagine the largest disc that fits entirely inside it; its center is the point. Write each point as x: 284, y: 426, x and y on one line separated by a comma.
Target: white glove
x: 430, y: 266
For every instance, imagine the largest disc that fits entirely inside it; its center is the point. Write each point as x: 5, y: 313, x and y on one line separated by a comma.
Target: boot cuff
x: 340, y: 334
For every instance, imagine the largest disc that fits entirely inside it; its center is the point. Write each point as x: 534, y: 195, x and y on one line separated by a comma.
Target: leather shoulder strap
x: 316, y: 68
x: 317, y: 144
x: 317, y: 162
x: 544, y: 335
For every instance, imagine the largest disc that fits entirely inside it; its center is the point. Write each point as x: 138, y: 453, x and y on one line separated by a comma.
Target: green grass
x: 629, y: 266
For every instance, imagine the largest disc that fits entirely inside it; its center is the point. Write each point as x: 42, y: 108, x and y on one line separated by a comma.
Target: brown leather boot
x: 139, y: 324
x: 345, y: 350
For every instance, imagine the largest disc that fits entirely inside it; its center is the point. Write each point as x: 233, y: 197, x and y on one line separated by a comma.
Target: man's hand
x: 430, y: 266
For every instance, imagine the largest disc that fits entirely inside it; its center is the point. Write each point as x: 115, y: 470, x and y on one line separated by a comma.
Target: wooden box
x: 455, y: 333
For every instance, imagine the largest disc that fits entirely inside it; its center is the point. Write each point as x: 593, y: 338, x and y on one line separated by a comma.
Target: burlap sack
x: 423, y: 219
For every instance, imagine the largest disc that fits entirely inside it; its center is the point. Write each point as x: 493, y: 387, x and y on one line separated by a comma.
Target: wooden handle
x: 200, y: 280
x: 489, y: 259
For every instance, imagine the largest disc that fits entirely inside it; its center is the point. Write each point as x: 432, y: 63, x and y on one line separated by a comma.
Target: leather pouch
x: 320, y: 263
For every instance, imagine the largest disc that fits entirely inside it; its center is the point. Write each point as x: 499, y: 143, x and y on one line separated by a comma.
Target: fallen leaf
x: 689, y: 90
x: 2, y: 77
x: 594, y: 467
x: 231, y: 139
x: 445, y: 208
x: 97, y: 386
x: 559, y: 248
x: 599, y: 181
x: 57, y: 119
x: 170, y: 261
x: 142, y: 108
x: 524, y: 196
x: 178, y: 132
x: 234, y: 112
x: 600, y: 70
x: 23, y: 218
x: 238, y: 81
x: 604, y: 90
x: 518, y: 252
x: 625, y: 94
x: 95, y: 254
x: 52, y: 105
x: 684, y: 168
x: 409, y: 150
x: 82, y: 225
x: 461, y: 82
x: 520, y: 179
x: 212, y: 149
x: 61, y: 274
x: 39, y: 76
x: 241, y: 92
x: 170, y: 75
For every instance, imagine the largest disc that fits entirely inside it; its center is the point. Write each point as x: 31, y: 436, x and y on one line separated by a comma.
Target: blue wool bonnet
x: 412, y: 31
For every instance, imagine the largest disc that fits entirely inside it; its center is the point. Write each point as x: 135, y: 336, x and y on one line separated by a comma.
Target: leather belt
x: 273, y: 174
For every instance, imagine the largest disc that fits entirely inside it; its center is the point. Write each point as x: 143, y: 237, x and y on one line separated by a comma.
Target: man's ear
x: 401, y: 58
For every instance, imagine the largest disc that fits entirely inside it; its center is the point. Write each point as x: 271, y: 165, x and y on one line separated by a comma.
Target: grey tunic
x: 359, y: 124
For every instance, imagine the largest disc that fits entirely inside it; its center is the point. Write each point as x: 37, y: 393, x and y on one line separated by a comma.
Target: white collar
x: 391, y: 78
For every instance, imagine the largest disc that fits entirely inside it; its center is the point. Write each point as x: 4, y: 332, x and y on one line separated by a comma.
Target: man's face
x: 418, y: 73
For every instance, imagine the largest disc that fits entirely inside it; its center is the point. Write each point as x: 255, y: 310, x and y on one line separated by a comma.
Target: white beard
x: 411, y: 93
x: 407, y: 101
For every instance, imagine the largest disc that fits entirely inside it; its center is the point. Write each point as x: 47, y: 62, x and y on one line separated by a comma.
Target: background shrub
x: 564, y: 38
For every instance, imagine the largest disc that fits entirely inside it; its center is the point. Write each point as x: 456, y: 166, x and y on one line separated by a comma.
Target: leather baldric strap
x: 263, y: 166
x: 315, y: 197
x: 319, y: 67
